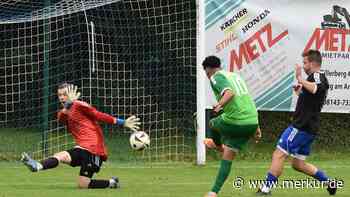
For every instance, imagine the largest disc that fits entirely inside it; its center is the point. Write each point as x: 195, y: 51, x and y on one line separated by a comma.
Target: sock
x: 48, y: 163
x: 224, y: 171
x: 111, y: 183
x: 270, y: 181
x: 321, y: 176
x: 94, y: 184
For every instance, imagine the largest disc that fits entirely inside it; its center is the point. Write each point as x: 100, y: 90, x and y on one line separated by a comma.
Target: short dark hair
x: 211, y: 62
x: 313, y: 56
x: 64, y: 85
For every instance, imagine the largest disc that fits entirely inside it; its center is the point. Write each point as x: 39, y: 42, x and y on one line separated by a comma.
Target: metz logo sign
x: 334, y: 32
x: 254, y: 46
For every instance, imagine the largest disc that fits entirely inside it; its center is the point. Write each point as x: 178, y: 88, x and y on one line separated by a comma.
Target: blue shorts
x: 295, y: 142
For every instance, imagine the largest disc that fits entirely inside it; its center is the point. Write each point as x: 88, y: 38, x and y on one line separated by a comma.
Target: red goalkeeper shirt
x: 82, y: 123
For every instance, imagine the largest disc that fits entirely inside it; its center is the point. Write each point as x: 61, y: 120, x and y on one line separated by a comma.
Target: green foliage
x: 332, y: 142
x: 333, y: 133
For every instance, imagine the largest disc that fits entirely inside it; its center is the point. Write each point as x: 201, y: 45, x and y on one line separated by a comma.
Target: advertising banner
x: 263, y: 40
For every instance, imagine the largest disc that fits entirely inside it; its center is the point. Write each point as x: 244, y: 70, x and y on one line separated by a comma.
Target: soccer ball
x: 139, y: 140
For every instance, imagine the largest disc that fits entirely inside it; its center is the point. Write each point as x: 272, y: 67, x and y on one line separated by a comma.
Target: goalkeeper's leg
x: 45, y: 164
x: 85, y: 182
x: 32, y: 164
x: 91, y: 164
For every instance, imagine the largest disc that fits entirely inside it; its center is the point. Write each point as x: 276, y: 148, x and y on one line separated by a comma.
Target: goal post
x: 201, y: 94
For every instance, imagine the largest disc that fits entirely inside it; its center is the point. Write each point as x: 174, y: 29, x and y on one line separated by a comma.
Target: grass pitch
x: 172, y: 180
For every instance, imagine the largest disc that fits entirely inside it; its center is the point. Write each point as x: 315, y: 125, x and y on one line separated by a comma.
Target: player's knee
x: 82, y: 186
x: 58, y: 157
x: 278, y: 159
x: 83, y: 183
x: 298, y: 164
x: 63, y: 157
x: 228, y: 153
x: 295, y: 167
x: 279, y: 155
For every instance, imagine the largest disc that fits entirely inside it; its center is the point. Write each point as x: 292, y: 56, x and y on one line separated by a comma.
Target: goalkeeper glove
x: 72, y: 95
x: 132, y: 123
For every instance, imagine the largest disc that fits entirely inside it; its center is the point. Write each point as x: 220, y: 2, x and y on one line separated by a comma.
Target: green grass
x: 16, y: 141
x: 174, y: 180
x: 28, y: 140
x: 19, y: 140
x: 147, y: 179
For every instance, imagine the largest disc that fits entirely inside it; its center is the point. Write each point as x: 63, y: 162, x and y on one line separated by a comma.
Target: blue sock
x: 270, y: 180
x: 321, y: 176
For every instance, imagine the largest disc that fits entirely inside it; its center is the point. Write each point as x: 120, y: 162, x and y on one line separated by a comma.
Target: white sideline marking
x: 233, y: 167
x: 258, y: 166
x: 73, y: 184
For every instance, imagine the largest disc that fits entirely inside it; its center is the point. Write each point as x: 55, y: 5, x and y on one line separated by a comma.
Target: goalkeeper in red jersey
x: 90, y: 151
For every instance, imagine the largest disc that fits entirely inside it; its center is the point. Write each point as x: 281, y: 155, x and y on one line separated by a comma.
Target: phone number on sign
x: 338, y: 102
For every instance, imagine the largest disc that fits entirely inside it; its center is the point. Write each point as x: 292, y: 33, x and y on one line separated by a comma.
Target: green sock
x: 224, y: 171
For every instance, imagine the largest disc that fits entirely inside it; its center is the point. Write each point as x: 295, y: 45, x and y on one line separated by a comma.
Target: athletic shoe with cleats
x: 30, y: 163
x: 261, y: 193
x: 116, y: 183
x: 331, y: 190
x: 211, y: 194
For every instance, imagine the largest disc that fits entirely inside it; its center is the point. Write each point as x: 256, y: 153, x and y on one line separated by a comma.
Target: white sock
x: 39, y: 166
x: 111, y: 182
x: 265, y: 189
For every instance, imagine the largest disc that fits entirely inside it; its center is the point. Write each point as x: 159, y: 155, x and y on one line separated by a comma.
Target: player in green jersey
x: 230, y: 131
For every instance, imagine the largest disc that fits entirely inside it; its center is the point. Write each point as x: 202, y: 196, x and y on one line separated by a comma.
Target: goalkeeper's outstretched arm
x: 132, y: 122
x: 68, y: 95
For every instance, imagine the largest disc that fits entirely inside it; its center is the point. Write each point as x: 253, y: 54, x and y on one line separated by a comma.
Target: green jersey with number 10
x: 241, y: 108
